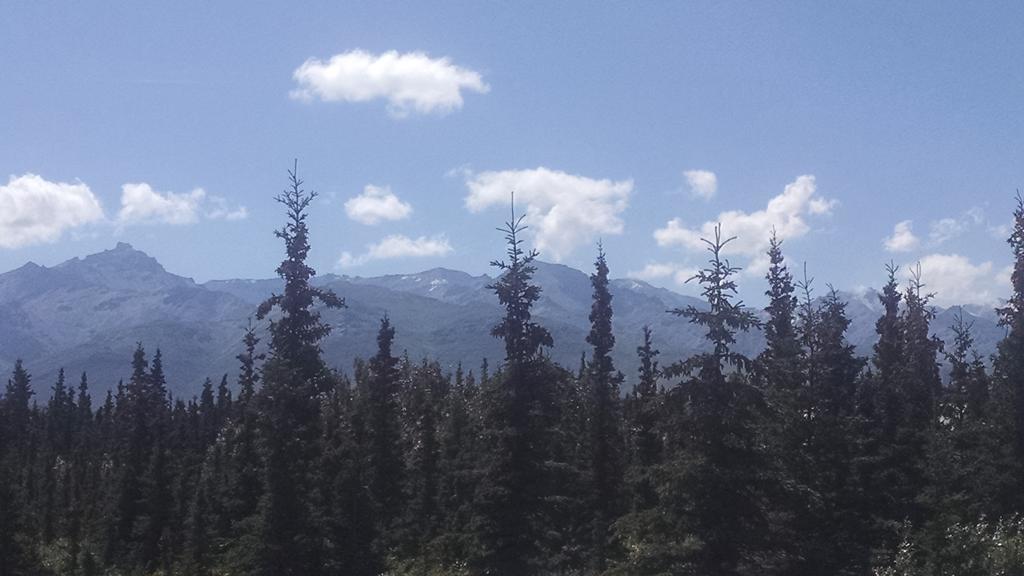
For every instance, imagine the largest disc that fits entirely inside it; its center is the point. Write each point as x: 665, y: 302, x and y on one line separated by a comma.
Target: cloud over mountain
x: 34, y: 210
x: 787, y: 213
x: 563, y: 210
x: 376, y: 204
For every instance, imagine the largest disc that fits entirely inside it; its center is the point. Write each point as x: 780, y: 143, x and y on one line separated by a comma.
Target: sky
x: 861, y: 132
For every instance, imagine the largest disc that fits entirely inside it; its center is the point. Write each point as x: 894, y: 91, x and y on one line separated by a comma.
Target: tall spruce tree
x: 1008, y: 377
x: 510, y: 508
x: 830, y: 528
x: 380, y: 397
x: 606, y: 461
x: 294, y: 376
x: 712, y: 489
x: 17, y: 556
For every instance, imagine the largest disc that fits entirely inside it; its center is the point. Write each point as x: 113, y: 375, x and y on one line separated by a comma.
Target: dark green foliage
x: 379, y: 396
x: 712, y: 489
x: 510, y: 513
x: 605, y: 466
x: 1008, y: 378
x: 294, y: 377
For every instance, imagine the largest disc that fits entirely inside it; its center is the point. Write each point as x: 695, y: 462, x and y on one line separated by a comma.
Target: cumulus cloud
x: 786, y: 213
x: 34, y: 210
x: 398, y: 246
x: 702, y: 183
x: 902, y: 238
x: 954, y: 279
x: 376, y: 204
x: 563, y: 210
x: 141, y: 204
x: 410, y: 82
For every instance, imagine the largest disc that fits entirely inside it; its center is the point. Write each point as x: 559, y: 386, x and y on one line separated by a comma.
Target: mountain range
x: 88, y: 314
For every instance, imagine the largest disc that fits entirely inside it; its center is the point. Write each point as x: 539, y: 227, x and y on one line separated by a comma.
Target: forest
x: 804, y: 460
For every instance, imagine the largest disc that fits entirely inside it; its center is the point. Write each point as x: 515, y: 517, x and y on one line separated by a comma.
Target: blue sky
x: 863, y: 132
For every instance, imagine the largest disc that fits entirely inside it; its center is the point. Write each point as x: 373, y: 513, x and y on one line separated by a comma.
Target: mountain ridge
x: 87, y: 314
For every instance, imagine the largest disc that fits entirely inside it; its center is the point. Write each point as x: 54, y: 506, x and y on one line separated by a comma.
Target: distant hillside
x: 88, y: 313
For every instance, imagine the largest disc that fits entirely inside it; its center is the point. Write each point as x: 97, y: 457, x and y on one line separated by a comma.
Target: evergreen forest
x: 804, y: 460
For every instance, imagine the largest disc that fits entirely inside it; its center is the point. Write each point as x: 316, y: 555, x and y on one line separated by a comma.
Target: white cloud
x: 666, y: 272
x: 398, y: 246
x: 410, y: 82
x: 1005, y: 277
x: 703, y: 183
x: 902, y: 239
x: 652, y: 271
x: 563, y: 210
x: 787, y: 213
x: 946, y: 229
x: 999, y: 231
x: 955, y: 280
x: 220, y: 210
x: 376, y: 204
x: 35, y: 211
x: 141, y: 204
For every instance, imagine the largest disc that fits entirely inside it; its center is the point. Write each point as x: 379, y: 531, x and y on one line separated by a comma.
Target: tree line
x: 804, y: 460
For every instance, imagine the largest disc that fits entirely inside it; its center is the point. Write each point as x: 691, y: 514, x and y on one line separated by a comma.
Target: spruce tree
x: 712, y: 489
x: 294, y: 376
x: 643, y: 523
x: 606, y: 462
x: 509, y: 501
x: 831, y: 541
x: 380, y: 396
x: 17, y: 556
x: 1008, y: 378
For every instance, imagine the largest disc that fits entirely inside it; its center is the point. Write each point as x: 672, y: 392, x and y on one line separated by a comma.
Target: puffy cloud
x: 141, y: 204
x: 398, y: 246
x: 410, y: 82
x: 955, y: 280
x: 786, y: 213
x: 703, y: 183
x: 34, y: 210
x: 562, y: 210
x: 902, y: 239
x: 376, y: 204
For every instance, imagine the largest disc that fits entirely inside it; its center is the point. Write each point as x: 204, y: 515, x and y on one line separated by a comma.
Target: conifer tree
x: 780, y: 372
x: 380, y: 395
x: 605, y: 440
x: 294, y: 377
x: 830, y: 532
x: 919, y: 385
x: 16, y: 554
x: 712, y: 490
x: 509, y: 498
x: 642, y: 523
x: 249, y: 371
x: 1009, y: 370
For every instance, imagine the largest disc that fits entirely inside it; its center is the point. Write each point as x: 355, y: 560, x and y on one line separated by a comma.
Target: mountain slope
x: 89, y: 313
